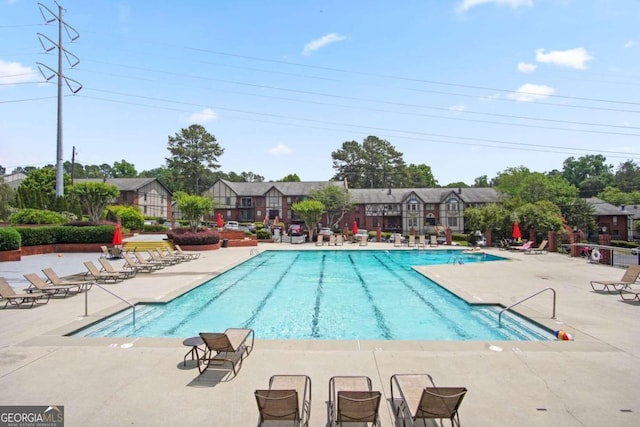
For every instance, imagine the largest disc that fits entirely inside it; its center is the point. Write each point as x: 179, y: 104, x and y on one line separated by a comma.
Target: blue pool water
x: 371, y: 295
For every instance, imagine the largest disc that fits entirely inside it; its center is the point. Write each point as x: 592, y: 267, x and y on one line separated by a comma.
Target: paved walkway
x: 592, y: 381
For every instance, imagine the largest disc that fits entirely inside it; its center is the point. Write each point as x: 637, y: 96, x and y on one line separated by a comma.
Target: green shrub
x: 263, y: 234
x: 623, y: 244
x: 130, y: 217
x: 37, y: 216
x: 153, y: 228
x: 10, y: 239
x: 32, y: 236
x: 184, y: 236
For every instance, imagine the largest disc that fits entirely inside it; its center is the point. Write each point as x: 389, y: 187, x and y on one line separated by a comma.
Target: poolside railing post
x: 86, y: 303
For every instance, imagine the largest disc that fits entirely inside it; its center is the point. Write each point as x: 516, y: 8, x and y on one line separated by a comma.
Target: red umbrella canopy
x: 354, y: 227
x: 516, y: 231
x: 219, y: 221
x: 117, y: 235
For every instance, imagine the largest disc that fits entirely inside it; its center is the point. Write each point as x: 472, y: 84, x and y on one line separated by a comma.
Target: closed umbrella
x: 354, y: 228
x: 219, y: 221
x: 116, y: 251
x: 516, y: 231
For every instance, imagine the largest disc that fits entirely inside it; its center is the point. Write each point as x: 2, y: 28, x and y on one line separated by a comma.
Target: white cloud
x: 206, y: 115
x: 530, y: 92
x: 630, y: 43
x: 465, y: 5
x: 316, y: 44
x: 457, y: 108
x: 524, y: 67
x: 280, y: 150
x: 14, y: 72
x: 573, y: 58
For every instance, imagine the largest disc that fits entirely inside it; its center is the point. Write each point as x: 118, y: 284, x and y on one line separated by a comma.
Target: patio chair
x: 421, y: 399
x: 56, y: 280
x: 412, y: 240
x: 422, y: 241
x: 630, y: 294
x: 522, y: 248
x: 352, y: 400
x: 288, y: 398
x: 130, y: 263
x: 126, y: 274
x: 629, y: 277
x: 105, y: 252
x: 542, y: 247
x: 36, y: 284
x: 339, y: 240
x: 179, y: 257
x: 153, y: 256
x: 101, y: 276
x: 142, y: 261
x: 320, y: 240
x: 19, y: 300
x: 192, y: 255
x: 230, y: 346
x: 364, y: 241
x: 433, y: 241
x: 332, y: 240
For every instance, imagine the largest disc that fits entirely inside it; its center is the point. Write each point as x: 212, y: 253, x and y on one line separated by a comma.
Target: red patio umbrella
x: 219, y: 221
x: 516, y: 231
x: 117, y: 236
x: 354, y: 228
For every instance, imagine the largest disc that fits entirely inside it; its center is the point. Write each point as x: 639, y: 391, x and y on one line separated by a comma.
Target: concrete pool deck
x: 592, y: 381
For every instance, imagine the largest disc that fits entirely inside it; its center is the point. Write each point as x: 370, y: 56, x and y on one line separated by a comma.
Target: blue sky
x: 468, y: 87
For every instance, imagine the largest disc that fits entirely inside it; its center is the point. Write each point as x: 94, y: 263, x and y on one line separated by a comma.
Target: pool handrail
x: 86, y: 302
x: 553, y: 315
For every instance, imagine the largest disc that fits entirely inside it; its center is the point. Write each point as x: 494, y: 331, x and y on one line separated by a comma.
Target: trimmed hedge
x: 10, y: 239
x: 184, y: 236
x: 37, y: 216
x: 32, y: 236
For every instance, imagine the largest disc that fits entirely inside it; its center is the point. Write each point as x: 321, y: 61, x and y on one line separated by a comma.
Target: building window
x: 245, y: 202
x: 412, y: 222
x: 429, y: 207
x: 227, y: 201
x: 228, y: 214
x: 452, y: 221
x: 288, y: 200
x: 614, y: 220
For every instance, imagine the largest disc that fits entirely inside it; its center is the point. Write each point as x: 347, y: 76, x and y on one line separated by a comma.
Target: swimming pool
x: 369, y: 295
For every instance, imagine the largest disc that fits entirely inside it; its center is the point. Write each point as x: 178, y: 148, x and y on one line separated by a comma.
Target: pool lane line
x: 381, y: 323
x: 456, y: 329
x: 194, y: 313
x: 319, y: 294
x: 263, y: 303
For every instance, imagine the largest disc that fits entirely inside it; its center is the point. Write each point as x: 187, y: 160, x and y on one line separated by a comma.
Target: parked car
x: 635, y: 251
x: 359, y: 234
x: 325, y: 232
x: 295, y: 230
x: 231, y: 225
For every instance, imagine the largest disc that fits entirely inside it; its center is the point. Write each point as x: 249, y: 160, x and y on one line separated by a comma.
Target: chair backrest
x: 412, y: 239
x: 433, y: 239
x: 106, y: 265
x: 35, y: 280
x: 52, y: 276
x: 358, y: 406
x: 139, y: 257
x: 278, y: 405
x: 92, y: 268
x: 339, y: 239
x: 421, y: 239
x: 440, y: 402
x: 129, y: 261
x: 6, y: 291
x: 543, y: 245
x: 217, y: 341
x: 632, y: 273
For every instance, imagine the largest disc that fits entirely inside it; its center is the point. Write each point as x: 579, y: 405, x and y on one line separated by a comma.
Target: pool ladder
x: 553, y: 315
x: 254, y: 251
x: 455, y: 259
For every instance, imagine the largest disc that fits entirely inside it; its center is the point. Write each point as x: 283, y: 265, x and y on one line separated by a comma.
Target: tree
x: 292, y: 177
x: 458, y: 184
x: 251, y: 177
x: 193, y: 207
x: 93, y: 197
x: 482, y: 182
x: 6, y: 196
x: 163, y: 175
x: 38, y: 190
x: 193, y: 152
x: 492, y: 217
x: 542, y: 216
x: 374, y: 164
x: 580, y: 214
x: 336, y: 201
x: 310, y: 211
x: 2, y: 170
x: 584, y: 170
x: 525, y: 186
x: 420, y: 176
x: 123, y: 169
x: 627, y: 177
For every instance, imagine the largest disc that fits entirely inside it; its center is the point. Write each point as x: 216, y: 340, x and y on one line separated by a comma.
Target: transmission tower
x: 48, y: 73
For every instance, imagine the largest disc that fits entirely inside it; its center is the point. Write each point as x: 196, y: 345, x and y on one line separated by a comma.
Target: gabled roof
x: 124, y: 184
x: 286, y: 188
x: 427, y: 195
x: 601, y: 207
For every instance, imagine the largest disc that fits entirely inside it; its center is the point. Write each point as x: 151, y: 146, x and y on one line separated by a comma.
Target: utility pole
x: 73, y: 163
x: 48, y: 45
